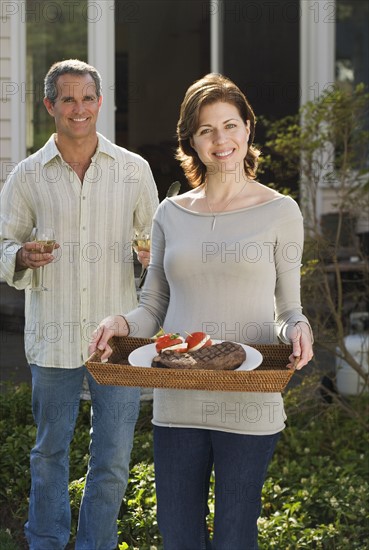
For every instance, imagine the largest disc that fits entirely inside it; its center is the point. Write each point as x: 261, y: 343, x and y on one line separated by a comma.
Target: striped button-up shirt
x: 92, y: 274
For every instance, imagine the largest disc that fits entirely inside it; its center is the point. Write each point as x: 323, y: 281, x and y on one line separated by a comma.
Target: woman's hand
x: 302, y: 346
x: 114, y: 325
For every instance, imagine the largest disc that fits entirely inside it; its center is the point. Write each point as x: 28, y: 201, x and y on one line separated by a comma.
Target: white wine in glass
x: 141, y: 242
x: 44, y: 236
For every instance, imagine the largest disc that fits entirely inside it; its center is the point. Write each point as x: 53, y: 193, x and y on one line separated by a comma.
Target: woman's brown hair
x: 211, y: 89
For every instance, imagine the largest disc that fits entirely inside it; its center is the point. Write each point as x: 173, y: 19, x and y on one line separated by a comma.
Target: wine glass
x: 44, y: 236
x: 141, y: 242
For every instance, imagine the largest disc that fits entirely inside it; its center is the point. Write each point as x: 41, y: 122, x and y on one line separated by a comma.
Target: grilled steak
x: 223, y: 356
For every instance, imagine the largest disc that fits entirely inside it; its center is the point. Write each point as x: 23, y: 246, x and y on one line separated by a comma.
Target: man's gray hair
x: 69, y: 66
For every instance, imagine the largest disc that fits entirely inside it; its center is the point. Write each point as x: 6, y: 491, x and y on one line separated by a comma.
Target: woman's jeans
x: 55, y: 403
x: 184, y: 458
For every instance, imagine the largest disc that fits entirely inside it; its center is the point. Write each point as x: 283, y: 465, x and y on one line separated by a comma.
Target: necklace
x: 214, y: 214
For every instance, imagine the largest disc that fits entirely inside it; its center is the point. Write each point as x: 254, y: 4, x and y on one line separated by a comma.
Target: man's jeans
x: 55, y: 403
x: 184, y: 458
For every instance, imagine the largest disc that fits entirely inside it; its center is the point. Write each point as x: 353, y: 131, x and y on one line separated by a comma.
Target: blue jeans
x: 184, y: 458
x: 55, y: 404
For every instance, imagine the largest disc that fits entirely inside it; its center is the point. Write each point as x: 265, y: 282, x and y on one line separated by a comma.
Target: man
x: 93, y: 194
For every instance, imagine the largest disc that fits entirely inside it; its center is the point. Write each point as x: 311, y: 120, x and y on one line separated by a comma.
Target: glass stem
x: 42, y: 277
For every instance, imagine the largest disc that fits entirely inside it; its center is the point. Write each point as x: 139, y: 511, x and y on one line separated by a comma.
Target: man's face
x: 76, y: 107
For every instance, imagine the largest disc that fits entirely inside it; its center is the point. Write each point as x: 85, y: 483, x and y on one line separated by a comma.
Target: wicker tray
x: 271, y: 376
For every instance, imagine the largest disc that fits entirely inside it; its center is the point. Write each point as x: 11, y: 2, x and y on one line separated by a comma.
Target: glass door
x: 161, y: 48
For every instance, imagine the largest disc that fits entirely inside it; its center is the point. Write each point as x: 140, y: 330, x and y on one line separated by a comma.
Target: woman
x: 225, y: 260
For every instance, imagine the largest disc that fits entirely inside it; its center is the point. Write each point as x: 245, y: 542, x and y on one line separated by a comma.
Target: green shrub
x: 17, y: 433
x: 6, y: 541
x: 315, y: 496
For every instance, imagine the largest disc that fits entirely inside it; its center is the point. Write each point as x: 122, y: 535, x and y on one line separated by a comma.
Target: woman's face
x: 221, y: 140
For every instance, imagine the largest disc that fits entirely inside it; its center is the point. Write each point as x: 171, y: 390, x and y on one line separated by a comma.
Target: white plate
x: 143, y: 356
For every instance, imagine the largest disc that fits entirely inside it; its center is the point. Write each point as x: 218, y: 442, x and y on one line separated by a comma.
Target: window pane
x: 261, y: 54
x: 56, y: 30
x: 352, y: 42
x: 352, y: 56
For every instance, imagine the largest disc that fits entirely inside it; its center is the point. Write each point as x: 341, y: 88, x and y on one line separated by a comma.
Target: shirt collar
x: 103, y: 146
x: 50, y: 150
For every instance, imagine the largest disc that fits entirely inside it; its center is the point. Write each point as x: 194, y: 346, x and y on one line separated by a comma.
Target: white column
x: 216, y: 35
x: 101, y: 54
x: 317, y: 69
x: 18, y: 77
x: 317, y: 47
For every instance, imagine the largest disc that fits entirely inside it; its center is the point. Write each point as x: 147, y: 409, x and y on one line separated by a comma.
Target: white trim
x: 101, y: 54
x: 216, y: 36
x: 18, y: 77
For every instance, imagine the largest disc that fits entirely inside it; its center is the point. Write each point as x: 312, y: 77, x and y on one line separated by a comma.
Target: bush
x: 6, y: 541
x: 315, y: 495
x: 325, y: 146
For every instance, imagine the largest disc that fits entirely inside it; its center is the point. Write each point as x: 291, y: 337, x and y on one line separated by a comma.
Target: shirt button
x: 84, y: 290
x: 84, y: 228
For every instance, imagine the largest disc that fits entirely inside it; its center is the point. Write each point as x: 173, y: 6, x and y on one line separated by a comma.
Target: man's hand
x: 143, y: 257
x: 302, y: 347
x: 114, y: 325
x: 33, y: 256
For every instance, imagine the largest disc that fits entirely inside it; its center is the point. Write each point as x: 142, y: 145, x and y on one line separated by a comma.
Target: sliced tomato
x: 168, y: 341
x: 198, y: 340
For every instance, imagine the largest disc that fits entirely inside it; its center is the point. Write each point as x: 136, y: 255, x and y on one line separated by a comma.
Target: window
x: 352, y: 42
x: 261, y: 54
x: 56, y: 30
x: 352, y: 55
x: 161, y: 47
